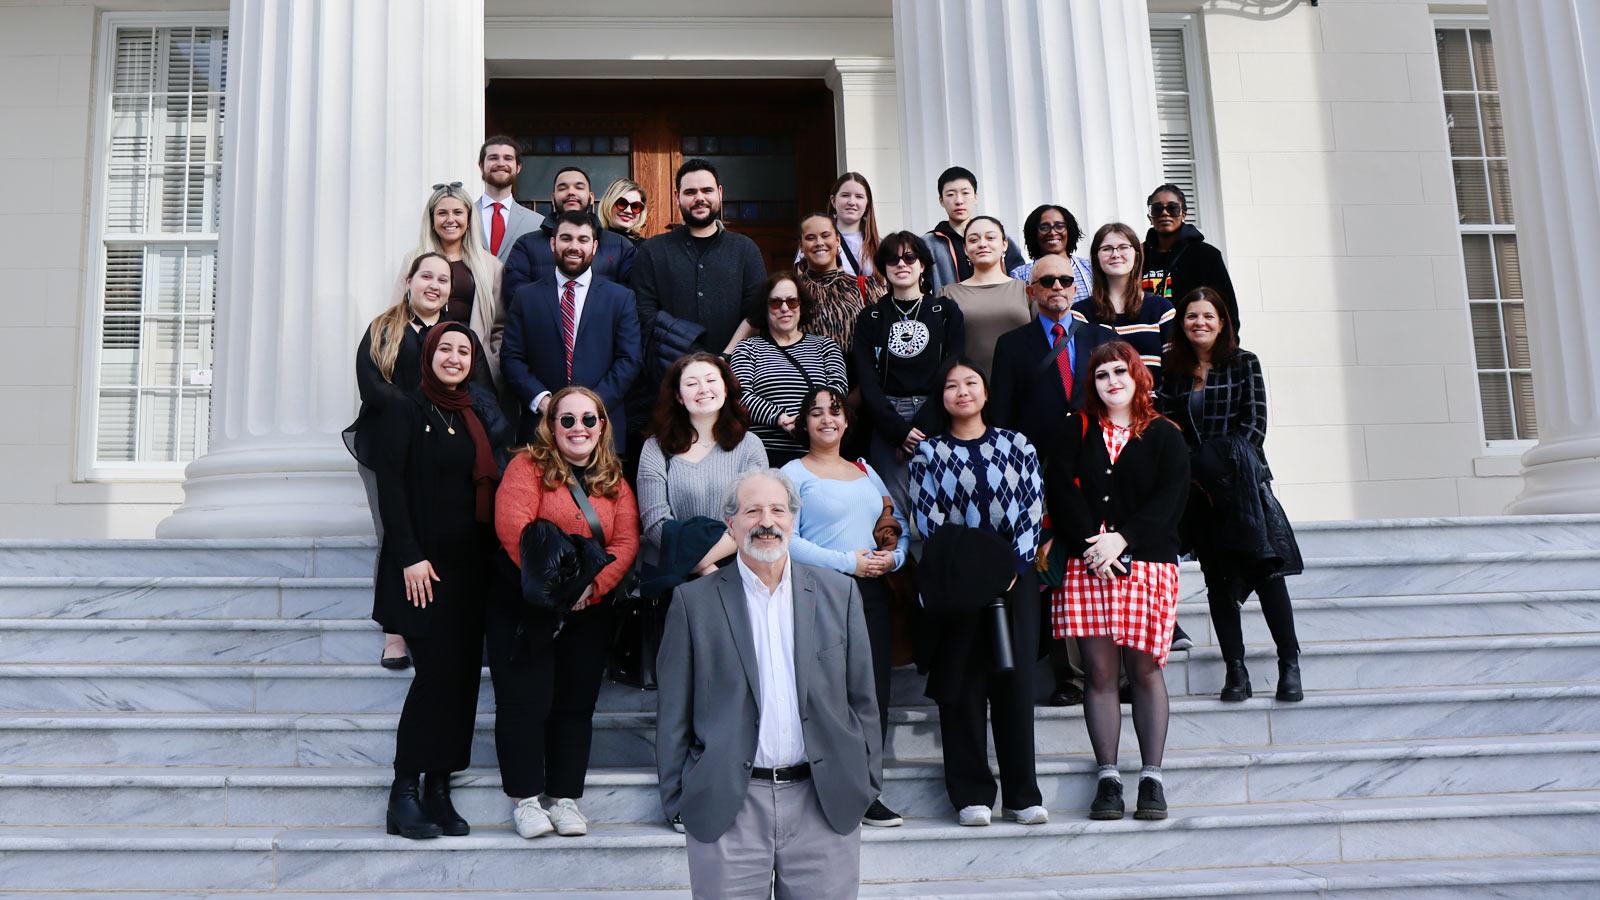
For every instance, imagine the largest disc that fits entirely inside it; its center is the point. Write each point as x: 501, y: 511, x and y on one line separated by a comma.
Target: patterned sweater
x: 991, y: 482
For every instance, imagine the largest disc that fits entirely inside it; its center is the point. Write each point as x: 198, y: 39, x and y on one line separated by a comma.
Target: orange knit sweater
x: 522, y: 499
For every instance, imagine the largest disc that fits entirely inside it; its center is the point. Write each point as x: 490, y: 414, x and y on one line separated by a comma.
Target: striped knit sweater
x: 772, y: 386
x: 1149, y: 332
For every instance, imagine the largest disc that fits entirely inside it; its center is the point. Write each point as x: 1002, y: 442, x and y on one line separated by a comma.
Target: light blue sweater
x: 836, y: 519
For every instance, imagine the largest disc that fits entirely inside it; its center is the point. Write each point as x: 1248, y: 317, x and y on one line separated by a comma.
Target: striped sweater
x: 1149, y: 332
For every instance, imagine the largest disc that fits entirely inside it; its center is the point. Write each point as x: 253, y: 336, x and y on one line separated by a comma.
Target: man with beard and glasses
x: 504, y: 219
x: 532, y: 260
x: 573, y: 326
x: 767, y: 743
x: 696, y: 283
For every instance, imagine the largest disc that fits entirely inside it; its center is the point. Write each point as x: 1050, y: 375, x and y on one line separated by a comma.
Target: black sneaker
x: 1107, y: 800
x: 1152, y: 800
x: 677, y: 824
x: 1066, y: 695
x: 1180, y: 639
x: 881, y: 816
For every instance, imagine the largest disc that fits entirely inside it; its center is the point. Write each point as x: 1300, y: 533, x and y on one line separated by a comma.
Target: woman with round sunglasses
x: 1053, y: 230
x: 435, y: 471
x: 840, y: 504
x: 1177, y: 258
x: 834, y: 296
x: 780, y: 365
x: 623, y: 210
x: 1118, y: 303
x: 449, y: 228
x: 547, y: 678
x: 900, y: 343
x: 991, y: 301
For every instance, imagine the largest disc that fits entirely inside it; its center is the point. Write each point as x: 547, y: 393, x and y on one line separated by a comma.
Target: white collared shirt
x: 779, y: 741
x: 486, y: 216
x: 580, y: 293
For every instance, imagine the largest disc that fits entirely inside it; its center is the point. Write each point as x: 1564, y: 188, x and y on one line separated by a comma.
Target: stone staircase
x: 189, y: 719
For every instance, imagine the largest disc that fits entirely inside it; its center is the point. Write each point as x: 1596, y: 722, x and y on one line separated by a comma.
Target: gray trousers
x: 778, y: 846
x: 885, y: 460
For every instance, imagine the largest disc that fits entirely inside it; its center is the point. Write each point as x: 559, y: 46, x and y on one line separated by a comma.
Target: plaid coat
x: 1234, y: 401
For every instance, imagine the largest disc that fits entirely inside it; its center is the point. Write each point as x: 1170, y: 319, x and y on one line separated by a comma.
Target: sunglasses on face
x: 1050, y: 281
x: 1051, y: 227
x: 1171, y: 208
x: 568, y: 420
x: 908, y: 259
x: 622, y: 205
x: 781, y: 302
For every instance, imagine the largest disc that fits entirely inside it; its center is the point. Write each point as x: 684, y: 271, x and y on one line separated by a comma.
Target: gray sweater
x: 688, y: 489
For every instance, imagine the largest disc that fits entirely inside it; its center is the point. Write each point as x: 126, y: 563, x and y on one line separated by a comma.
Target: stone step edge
x: 45, y: 776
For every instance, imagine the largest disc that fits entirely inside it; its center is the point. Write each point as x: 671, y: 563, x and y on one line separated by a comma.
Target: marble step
x: 258, y: 557
x: 367, y: 688
x: 1471, y: 534
x: 647, y: 857
x: 627, y: 739
x: 329, y: 796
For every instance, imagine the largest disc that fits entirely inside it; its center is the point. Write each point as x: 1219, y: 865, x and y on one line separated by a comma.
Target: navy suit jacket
x: 1025, y: 399
x: 531, y: 259
x: 606, y: 353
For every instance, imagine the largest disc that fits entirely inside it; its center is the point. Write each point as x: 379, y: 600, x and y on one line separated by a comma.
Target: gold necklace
x: 449, y: 424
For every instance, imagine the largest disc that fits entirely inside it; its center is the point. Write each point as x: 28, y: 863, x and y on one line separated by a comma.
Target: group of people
x: 905, y: 446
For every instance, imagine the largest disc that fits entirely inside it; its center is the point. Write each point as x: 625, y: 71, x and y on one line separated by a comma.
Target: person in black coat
x: 1177, y: 258
x: 532, y: 259
x: 1116, y: 490
x: 1215, y: 391
x: 436, y: 473
x: 606, y: 354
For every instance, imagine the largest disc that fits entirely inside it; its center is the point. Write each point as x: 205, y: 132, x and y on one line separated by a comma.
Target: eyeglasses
x: 1171, y: 208
x: 1116, y: 249
x: 441, y: 185
x: 622, y: 205
x: 590, y: 420
x: 1051, y: 227
x: 1050, y: 281
x: 781, y: 302
x: 907, y: 259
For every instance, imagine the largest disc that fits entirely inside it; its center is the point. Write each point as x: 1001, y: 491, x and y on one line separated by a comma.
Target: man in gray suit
x: 767, y: 718
x: 504, y: 219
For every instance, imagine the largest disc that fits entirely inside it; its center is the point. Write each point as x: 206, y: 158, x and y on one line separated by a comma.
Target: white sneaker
x: 566, y: 818
x: 974, y: 815
x: 1033, y: 815
x: 530, y: 818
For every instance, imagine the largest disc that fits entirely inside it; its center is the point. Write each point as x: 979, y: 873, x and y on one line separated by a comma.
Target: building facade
x: 209, y: 202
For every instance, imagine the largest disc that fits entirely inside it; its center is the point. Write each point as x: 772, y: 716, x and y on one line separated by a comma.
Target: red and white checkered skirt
x: 1137, y: 610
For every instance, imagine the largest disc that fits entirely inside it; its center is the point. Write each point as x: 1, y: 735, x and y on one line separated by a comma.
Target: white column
x: 1548, y: 57
x: 340, y: 116
x: 1044, y: 100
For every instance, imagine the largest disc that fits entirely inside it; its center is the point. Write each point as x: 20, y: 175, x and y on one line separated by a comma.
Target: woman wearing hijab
x: 436, y: 475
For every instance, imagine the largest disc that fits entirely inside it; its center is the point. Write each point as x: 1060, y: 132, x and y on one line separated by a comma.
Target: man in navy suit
x: 572, y: 327
x: 531, y: 258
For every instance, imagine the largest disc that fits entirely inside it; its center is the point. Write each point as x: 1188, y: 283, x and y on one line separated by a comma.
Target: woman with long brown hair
x: 547, y: 674
x: 1118, y: 303
x: 1117, y: 488
x: 449, y: 229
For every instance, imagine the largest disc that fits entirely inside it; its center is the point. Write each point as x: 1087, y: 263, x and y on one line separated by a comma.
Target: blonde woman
x: 449, y: 223
x: 623, y: 209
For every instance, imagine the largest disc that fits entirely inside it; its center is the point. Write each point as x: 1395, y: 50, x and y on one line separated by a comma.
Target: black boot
x: 436, y: 803
x: 1289, y: 680
x: 1236, y: 686
x: 406, y: 816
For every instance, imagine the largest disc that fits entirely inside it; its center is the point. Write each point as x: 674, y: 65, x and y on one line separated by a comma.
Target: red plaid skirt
x: 1137, y: 610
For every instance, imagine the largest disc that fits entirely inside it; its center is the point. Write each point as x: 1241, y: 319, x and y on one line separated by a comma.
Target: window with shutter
x: 1488, y: 232
x: 158, y: 214
x: 1175, y: 117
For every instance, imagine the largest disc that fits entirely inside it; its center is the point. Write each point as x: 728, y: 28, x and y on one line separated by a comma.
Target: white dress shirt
x: 486, y: 216
x: 779, y: 741
x: 580, y: 293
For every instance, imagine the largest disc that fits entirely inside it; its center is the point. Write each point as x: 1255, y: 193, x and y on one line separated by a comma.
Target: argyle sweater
x: 991, y: 483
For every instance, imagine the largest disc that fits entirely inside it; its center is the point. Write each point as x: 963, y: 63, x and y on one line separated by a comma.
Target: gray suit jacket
x: 707, y: 706
x: 519, y: 221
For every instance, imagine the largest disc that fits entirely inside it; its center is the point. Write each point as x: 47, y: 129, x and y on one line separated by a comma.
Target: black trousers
x: 875, y: 604
x: 545, y: 698
x: 1009, y: 698
x: 441, y: 709
x: 1226, y: 589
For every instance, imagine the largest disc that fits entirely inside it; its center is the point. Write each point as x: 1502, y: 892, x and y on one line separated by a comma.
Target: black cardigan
x: 1141, y: 496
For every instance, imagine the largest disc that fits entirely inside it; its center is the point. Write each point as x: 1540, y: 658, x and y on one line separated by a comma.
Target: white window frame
x: 1206, y: 173
x: 1492, y: 448
x: 86, y: 467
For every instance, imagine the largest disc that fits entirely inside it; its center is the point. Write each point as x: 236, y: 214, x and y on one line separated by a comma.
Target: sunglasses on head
x: 1171, y: 208
x: 1050, y: 281
x: 780, y: 302
x: 635, y: 207
x: 441, y: 185
x: 568, y: 420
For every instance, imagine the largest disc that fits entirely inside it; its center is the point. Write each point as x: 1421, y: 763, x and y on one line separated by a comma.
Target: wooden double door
x: 772, y: 141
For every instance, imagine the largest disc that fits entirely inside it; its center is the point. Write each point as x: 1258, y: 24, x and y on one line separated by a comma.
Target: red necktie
x: 497, y: 229
x: 1063, y: 365
x: 569, y: 321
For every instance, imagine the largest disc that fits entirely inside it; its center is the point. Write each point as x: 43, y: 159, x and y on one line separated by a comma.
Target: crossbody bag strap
x: 585, y: 507
x: 1056, y: 351
x: 794, y: 362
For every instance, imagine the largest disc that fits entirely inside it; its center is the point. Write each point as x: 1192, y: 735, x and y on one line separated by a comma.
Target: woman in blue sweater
x: 840, y: 504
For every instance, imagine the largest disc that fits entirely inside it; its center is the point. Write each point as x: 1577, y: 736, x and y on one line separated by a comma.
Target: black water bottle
x: 1000, y: 635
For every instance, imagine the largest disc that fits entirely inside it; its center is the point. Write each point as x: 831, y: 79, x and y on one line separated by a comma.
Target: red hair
x: 1143, y: 408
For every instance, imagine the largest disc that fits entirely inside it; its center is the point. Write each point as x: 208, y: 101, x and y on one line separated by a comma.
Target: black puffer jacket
x: 1233, y: 511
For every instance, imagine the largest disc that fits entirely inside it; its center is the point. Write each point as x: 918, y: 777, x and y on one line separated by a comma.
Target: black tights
x: 1101, y: 712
